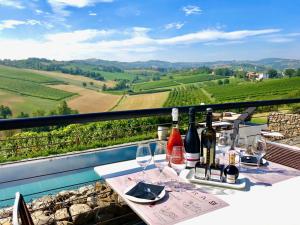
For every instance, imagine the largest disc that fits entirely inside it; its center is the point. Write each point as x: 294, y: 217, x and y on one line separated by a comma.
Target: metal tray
x: 239, y: 185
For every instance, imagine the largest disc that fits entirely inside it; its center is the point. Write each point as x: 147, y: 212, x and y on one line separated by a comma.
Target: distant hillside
x: 93, y: 67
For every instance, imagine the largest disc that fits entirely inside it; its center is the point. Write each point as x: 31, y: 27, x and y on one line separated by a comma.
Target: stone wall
x: 86, y: 205
x: 287, y: 124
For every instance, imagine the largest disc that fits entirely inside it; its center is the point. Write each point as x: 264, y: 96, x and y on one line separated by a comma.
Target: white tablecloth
x: 262, y: 205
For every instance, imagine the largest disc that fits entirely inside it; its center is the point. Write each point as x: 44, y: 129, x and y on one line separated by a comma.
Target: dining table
x: 271, y: 196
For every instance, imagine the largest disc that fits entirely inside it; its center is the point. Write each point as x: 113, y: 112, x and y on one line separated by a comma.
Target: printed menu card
x: 176, y: 206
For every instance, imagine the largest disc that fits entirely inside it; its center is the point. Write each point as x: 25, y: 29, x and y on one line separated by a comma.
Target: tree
x: 290, y: 72
x: 91, y: 83
x: 23, y: 115
x: 220, y: 82
x: 84, y: 84
x: 224, y: 72
x: 298, y: 72
x: 104, y: 87
x: 5, y: 112
x: 272, y: 73
x: 240, y: 74
x: 226, y: 81
x: 39, y: 113
x: 64, y: 109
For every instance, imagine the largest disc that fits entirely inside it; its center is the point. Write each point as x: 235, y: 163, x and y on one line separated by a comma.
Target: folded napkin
x: 145, y: 191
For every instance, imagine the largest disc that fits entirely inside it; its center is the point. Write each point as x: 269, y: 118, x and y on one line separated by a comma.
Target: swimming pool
x: 28, y: 177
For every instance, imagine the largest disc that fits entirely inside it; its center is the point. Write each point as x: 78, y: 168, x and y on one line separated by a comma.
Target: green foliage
x: 267, y: 89
x: 21, y: 74
x: 272, y: 73
x: 226, y: 81
x: 5, y: 112
x: 23, y: 115
x: 33, y: 89
x: 224, y: 72
x: 186, y: 95
x: 78, y: 137
x: 84, y: 84
x: 290, y: 72
x: 176, y: 80
x: 220, y: 82
x: 240, y: 74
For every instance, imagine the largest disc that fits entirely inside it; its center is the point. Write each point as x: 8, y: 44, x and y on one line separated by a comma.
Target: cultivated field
x: 236, y: 92
x: 89, y: 100
x: 73, y: 79
x: 142, y: 101
x: 27, y: 75
x: 177, y: 80
x: 28, y: 104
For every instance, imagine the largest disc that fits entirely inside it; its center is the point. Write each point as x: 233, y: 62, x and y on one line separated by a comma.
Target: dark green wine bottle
x: 208, y: 140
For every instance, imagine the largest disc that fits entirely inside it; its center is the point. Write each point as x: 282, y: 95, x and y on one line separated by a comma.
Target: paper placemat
x: 270, y: 174
x: 173, y: 208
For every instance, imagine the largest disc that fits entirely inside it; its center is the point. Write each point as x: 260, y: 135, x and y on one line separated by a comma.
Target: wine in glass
x: 160, y: 156
x: 143, y: 156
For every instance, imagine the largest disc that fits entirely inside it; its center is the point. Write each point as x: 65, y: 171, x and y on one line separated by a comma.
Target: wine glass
x: 160, y: 156
x: 241, y: 149
x: 178, y: 162
x: 143, y: 156
x: 223, y: 142
x: 259, y: 148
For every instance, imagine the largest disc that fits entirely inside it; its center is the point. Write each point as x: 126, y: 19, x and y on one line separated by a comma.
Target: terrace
x: 65, y: 189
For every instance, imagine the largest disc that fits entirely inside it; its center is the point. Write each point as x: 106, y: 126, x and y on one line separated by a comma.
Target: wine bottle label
x: 205, y: 155
x: 215, y: 175
x: 230, y: 179
x: 200, y: 173
x: 192, y: 159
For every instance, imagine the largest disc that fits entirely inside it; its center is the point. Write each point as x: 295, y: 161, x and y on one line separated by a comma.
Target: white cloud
x: 211, y: 35
x: 191, y: 9
x: 39, y: 12
x: 280, y: 40
x: 58, y: 6
x: 12, y: 24
x: 77, y: 36
x: 92, y: 14
x: 174, y: 25
x: 222, y: 43
x: 134, y: 45
x: 12, y: 3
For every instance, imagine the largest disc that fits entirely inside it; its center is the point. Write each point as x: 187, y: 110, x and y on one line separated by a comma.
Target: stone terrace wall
x: 86, y: 205
x: 287, y: 124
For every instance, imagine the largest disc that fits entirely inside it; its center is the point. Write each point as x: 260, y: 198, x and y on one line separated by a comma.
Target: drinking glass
x: 160, y: 156
x: 178, y: 159
x: 178, y: 163
x: 143, y: 156
x: 241, y: 149
x: 259, y: 148
x: 223, y: 142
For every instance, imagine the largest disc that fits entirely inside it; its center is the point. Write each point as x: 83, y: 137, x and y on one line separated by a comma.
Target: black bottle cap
x: 209, y: 110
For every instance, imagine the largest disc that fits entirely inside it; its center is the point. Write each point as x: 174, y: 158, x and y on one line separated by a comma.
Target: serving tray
x: 239, y: 185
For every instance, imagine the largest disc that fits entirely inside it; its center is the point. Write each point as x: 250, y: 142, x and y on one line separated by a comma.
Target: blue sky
x: 173, y: 30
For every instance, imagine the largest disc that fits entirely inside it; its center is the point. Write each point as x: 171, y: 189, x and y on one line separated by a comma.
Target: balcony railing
x: 18, y: 146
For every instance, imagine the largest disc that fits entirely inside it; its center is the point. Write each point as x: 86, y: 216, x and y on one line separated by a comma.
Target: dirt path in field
x: 88, y: 100
x: 142, y: 101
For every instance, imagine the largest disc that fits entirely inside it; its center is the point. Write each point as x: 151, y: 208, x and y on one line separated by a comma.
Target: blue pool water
x: 32, y: 183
